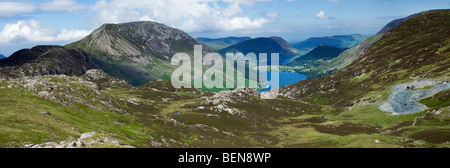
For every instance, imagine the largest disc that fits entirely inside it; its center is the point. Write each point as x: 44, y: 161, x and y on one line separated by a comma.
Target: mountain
x: 137, y: 51
x: 330, y: 66
x: 45, y: 60
x: 400, y: 56
x: 2, y: 56
x: 221, y: 43
x: 317, y: 55
x: 263, y: 45
x: 307, y: 64
x: 395, y: 23
x: 340, y: 41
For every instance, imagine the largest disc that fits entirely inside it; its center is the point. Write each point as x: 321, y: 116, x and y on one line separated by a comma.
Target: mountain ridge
x: 263, y: 45
x: 340, y: 41
x: 45, y: 60
x: 221, y: 43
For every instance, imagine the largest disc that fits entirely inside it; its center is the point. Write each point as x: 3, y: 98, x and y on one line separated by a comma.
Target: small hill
x: 340, y: 41
x: 263, y: 45
x: 2, y: 56
x: 221, y: 43
x: 45, y: 60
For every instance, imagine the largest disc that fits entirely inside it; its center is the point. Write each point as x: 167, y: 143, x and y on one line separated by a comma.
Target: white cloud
x: 333, y: 27
x: 35, y: 31
x: 188, y: 15
x: 9, y: 9
x: 322, y: 15
x: 62, y: 6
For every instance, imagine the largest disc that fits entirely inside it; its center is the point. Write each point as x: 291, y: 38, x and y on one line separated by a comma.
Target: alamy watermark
x: 239, y: 70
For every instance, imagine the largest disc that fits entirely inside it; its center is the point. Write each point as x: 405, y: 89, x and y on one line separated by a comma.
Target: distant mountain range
x: 340, y: 41
x: 221, y: 43
x: 263, y: 45
x: 137, y: 51
x: 2, y: 56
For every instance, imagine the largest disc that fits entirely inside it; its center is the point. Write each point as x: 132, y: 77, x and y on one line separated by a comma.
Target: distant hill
x: 263, y: 45
x: 321, y: 52
x: 137, y: 51
x: 45, y: 60
x: 221, y: 43
x: 2, y: 56
x: 340, y: 41
x: 348, y: 56
x: 307, y: 64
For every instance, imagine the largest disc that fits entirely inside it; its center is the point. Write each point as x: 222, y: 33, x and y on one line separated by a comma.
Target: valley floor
x: 59, y: 108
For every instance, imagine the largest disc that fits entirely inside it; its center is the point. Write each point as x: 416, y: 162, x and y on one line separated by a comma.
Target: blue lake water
x: 286, y: 78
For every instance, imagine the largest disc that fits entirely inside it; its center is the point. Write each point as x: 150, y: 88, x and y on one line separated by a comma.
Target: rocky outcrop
x: 103, y: 80
x: 221, y: 101
x: 45, y: 60
x: 67, y: 90
x: 86, y: 140
x: 404, y: 98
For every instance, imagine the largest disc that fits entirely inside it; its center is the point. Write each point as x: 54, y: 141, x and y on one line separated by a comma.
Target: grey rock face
x: 81, y: 142
x: 404, y: 98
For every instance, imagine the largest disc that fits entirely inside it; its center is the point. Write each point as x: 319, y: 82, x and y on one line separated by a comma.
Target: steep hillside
x: 221, y: 43
x: 416, y: 49
x: 45, y: 60
x: 340, y: 41
x: 263, y: 45
x: 391, y: 25
x: 137, y: 51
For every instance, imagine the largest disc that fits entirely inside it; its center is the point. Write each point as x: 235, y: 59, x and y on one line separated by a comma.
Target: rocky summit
x: 137, y: 51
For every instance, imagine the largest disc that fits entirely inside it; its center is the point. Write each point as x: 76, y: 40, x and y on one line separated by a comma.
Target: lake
x: 286, y: 78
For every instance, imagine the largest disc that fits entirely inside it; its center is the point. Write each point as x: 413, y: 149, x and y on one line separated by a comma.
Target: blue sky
x: 26, y: 23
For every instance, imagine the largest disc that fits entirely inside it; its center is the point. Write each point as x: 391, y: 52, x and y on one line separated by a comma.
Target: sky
x: 26, y: 23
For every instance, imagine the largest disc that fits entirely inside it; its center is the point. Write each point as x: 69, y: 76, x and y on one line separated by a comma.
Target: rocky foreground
x: 86, y: 140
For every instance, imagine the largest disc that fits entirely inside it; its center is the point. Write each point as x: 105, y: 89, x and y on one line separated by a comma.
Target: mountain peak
x: 137, y: 51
